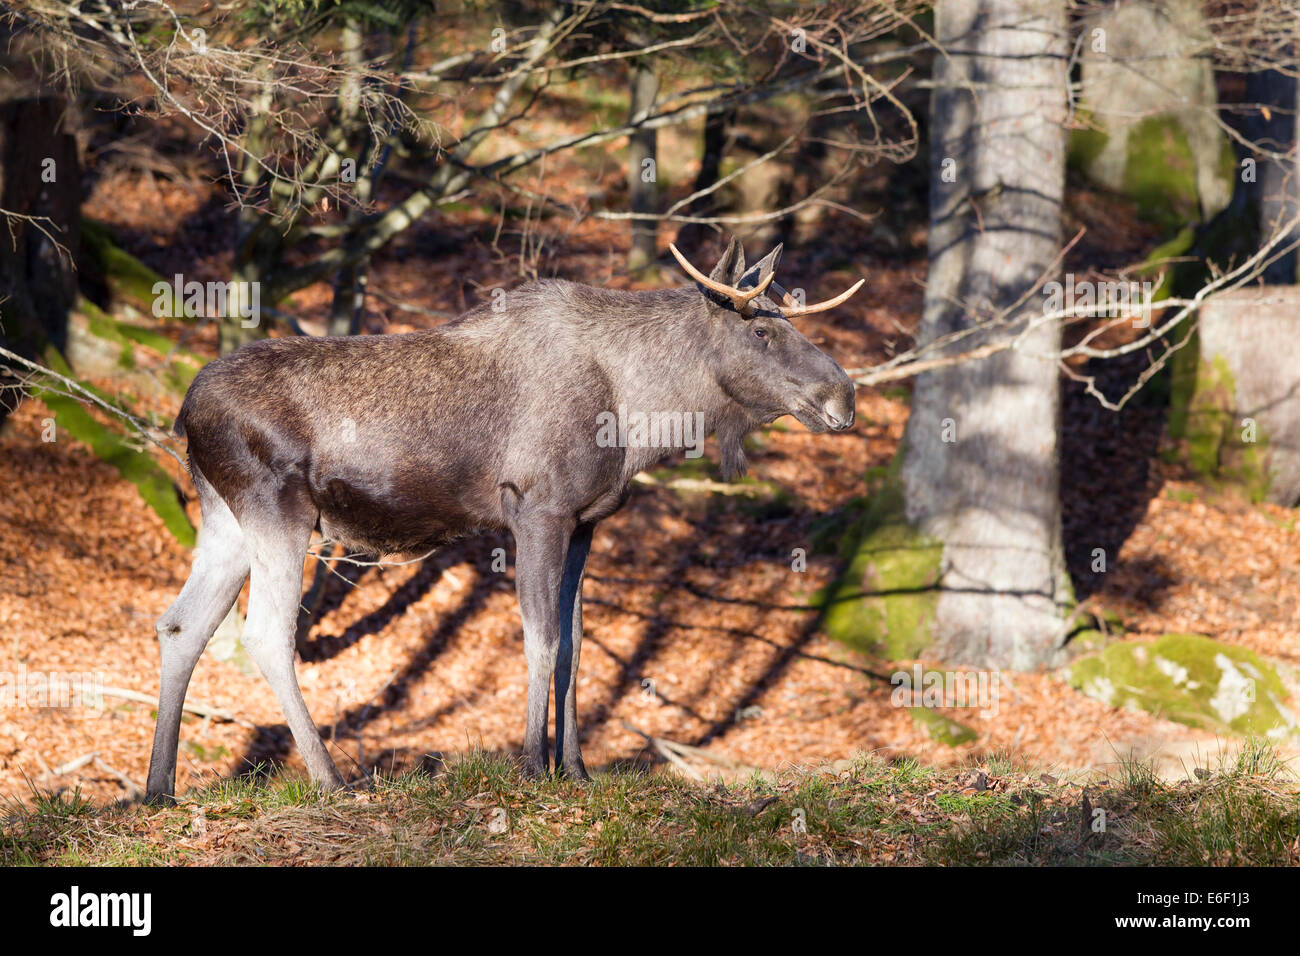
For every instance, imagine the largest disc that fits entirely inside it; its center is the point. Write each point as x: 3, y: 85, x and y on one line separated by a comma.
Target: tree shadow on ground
x: 1107, y: 476
x: 266, y: 753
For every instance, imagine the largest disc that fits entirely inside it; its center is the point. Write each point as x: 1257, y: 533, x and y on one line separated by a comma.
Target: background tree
x: 642, y: 162
x: 40, y: 204
x: 965, y: 559
x: 980, y: 458
x: 290, y: 109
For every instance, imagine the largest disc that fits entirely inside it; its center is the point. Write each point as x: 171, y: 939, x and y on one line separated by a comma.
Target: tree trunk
x: 349, y: 303
x: 642, y: 163
x: 980, y: 462
x: 236, y: 329
x: 350, y: 285
x: 40, y: 226
x: 259, y: 245
x: 1275, y: 191
x: 713, y: 147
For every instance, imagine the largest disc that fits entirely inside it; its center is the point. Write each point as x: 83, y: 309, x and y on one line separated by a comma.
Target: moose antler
x: 738, y: 297
x: 790, y: 306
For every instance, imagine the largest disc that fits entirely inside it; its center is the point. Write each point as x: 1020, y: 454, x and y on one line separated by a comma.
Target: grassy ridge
x: 479, y: 810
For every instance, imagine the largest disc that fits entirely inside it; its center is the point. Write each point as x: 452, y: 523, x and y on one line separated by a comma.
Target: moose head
x: 765, y: 364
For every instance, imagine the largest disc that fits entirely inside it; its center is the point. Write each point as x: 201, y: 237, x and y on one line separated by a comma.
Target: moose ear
x: 732, y: 264
x: 761, y: 269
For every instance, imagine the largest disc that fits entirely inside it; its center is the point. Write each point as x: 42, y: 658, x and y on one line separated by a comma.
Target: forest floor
x: 698, y: 632
x: 478, y: 810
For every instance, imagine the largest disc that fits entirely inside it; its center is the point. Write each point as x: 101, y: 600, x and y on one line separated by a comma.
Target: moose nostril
x: 836, y: 418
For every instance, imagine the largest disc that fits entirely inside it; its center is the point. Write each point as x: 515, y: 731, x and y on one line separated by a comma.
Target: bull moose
x: 394, y: 444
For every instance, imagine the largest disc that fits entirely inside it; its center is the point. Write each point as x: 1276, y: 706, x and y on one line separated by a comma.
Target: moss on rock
x: 154, y: 484
x: 1160, y: 263
x: 1160, y: 172
x: 942, y: 728
x: 1090, y: 640
x: 1204, y: 421
x: 1159, y: 166
x: 1192, y: 679
x: 884, y: 603
x: 175, y: 373
x: 128, y: 278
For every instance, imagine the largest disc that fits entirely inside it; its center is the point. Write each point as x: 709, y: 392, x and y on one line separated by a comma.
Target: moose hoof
x: 576, y: 772
x: 535, y: 769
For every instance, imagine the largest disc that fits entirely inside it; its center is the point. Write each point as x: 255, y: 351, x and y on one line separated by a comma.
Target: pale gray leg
x: 277, y: 556
x: 220, y: 567
x: 542, y: 542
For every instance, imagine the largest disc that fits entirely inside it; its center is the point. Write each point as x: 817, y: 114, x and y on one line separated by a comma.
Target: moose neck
x: 664, y: 359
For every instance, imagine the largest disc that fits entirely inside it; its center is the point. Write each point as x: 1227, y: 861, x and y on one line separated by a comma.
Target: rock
x: 1151, y: 92
x: 1192, y: 679
x: 943, y: 729
x: 884, y: 603
x: 226, y: 644
x: 102, y: 347
x: 1235, y: 393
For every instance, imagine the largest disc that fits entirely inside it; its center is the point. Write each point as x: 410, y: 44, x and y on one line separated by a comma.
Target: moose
x: 396, y: 444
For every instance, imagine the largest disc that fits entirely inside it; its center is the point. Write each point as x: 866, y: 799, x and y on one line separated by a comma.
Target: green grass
x: 479, y: 810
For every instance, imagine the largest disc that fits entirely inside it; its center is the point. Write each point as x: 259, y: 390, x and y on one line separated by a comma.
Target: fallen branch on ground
x: 194, y: 707
x: 700, y: 484
x: 678, y: 754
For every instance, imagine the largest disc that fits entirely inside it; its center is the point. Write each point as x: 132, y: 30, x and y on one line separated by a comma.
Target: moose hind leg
x: 220, y: 567
x: 269, y: 632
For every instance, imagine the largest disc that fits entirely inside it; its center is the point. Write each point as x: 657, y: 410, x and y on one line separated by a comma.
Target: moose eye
x: 760, y: 333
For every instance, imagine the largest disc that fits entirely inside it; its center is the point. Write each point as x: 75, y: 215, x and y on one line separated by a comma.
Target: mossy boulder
x: 1160, y: 172
x: 884, y: 603
x: 1090, y: 640
x: 1149, y: 132
x: 128, y: 279
x: 1234, y: 404
x: 942, y: 728
x: 111, y: 446
x: 1192, y: 679
x: 136, y: 359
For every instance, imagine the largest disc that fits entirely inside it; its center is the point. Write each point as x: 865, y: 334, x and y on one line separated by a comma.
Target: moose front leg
x: 568, y: 758
x: 541, y: 545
